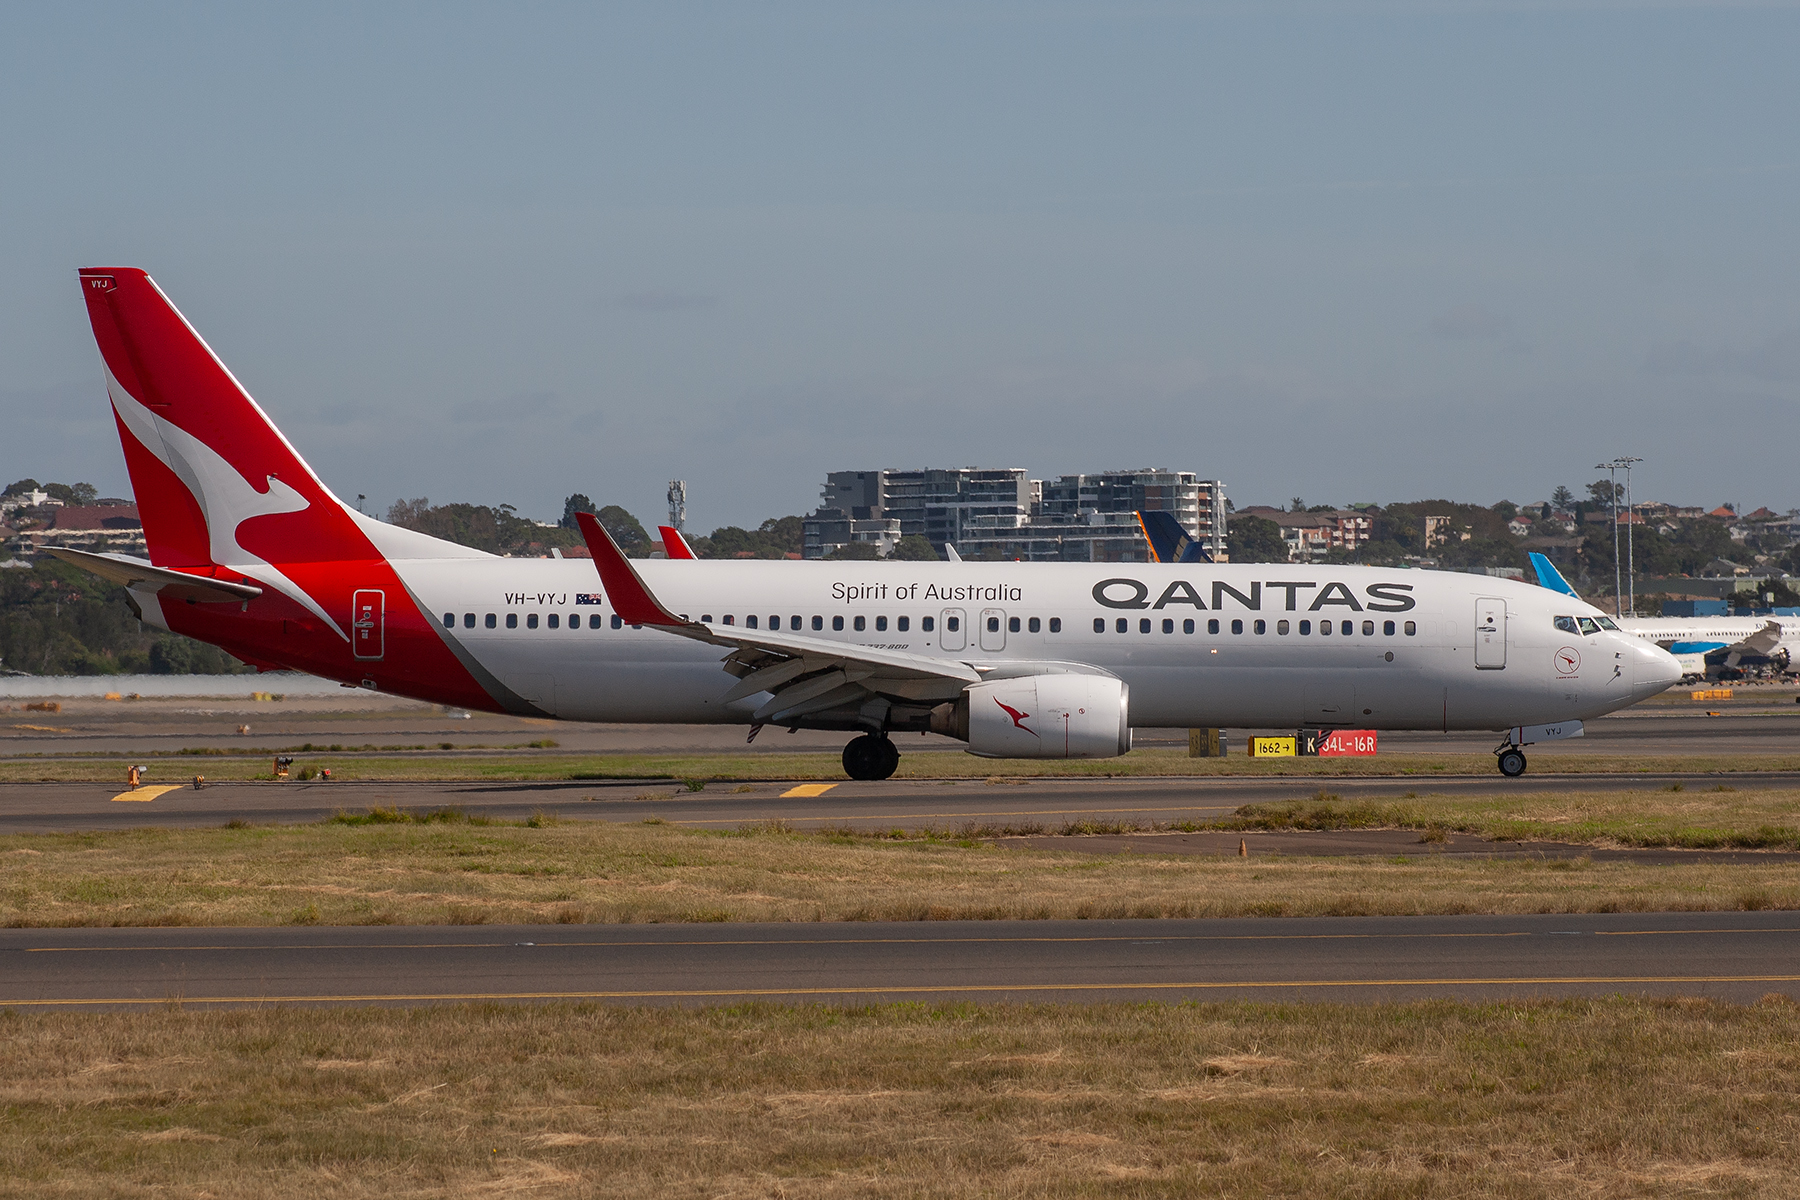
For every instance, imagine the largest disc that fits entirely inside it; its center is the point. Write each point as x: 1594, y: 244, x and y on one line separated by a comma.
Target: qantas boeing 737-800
x: 251, y: 552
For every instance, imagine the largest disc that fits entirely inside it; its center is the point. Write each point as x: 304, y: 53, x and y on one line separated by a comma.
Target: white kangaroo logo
x: 225, y: 497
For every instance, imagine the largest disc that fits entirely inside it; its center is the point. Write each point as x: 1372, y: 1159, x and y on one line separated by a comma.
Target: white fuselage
x: 1412, y: 656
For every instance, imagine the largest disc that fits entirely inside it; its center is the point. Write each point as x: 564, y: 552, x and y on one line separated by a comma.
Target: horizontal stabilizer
x: 141, y: 576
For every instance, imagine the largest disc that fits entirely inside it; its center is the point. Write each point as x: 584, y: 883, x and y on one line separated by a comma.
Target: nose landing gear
x: 1511, y: 761
x: 871, y: 756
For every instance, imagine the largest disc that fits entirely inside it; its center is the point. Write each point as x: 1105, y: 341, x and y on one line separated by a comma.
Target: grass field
x: 1613, y: 1097
x: 363, y: 870
x: 454, y: 765
x: 1702, y: 816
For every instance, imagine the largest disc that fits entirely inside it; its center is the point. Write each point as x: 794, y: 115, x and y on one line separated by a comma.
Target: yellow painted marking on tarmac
x: 897, y: 941
x: 921, y: 989
x: 808, y: 789
x: 44, y: 728
x: 150, y: 792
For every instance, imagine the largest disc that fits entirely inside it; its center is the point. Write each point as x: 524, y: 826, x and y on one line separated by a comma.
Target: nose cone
x: 1653, y: 670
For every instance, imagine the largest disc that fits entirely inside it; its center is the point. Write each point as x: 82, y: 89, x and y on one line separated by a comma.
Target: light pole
x: 1621, y: 568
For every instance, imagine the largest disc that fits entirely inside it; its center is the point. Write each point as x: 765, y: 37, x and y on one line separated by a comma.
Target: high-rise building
x: 1001, y: 513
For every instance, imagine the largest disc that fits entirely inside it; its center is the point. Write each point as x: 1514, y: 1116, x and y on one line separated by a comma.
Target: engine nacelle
x: 1041, y: 716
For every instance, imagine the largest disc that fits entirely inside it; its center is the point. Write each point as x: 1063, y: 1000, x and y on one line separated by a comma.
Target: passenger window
x: 1012, y: 624
x: 618, y: 622
x: 1324, y: 628
x: 796, y: 621
x: 950, y: 623
x: 1187, y: 626
x: 1305, y: 628
x: 1567, y: 625
x: 594, y: 620
x: 902, y: 623
x: 1368, y: 629
x: 861, y: 623
x: 1237, y: 626
x: 1212, y: 626
x: 468, y: 620
x: 818, y: 622
x: 926, y: 624
x: 449, y: 620
x: 880, y: 624
x: 490, y: 622
x: 1123, y: 624
x: 1055, y: 624
x: 750, y: 621
x: 1588, y: 626
x: 1143, y: 624
x: 512, y: 620
x: 729, y: 620
x: 1281, y: 627
x: 837, y: 624
x: 774, y: 621
x: 1099, y: 624
x: 1411, y: 628
x: 1168, y: 625
x: 993, y: 624
x: 1347, y: 628
x: 575, y: 620
x: 1035, y: 625
x: 555, y: 621
x: 1387, y: 629
x: 531, y: 621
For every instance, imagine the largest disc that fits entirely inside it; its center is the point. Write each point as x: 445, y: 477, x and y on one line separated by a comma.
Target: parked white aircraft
x: 251, y: 552
x: 1691, y: 639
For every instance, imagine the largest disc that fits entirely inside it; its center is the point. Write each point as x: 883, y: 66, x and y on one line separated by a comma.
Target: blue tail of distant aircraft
x: 1169, y: 542
x: 1548, y: 576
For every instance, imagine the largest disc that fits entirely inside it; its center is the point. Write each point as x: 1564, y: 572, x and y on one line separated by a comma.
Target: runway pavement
x: 908, y: 804
x: 1729, y: 956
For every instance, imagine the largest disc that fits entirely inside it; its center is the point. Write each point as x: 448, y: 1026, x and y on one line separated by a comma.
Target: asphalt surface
x: 1018, y: 805
x: 1728, y: 956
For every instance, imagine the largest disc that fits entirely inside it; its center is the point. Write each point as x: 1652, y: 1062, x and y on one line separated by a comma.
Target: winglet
x: 1548, y: 576
x: 630, y: 598
x: 674, y: 545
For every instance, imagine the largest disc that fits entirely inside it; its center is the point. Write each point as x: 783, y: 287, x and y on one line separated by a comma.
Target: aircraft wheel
x: 862, y: 757
x: 890, y: 759
x: 1512, y: 762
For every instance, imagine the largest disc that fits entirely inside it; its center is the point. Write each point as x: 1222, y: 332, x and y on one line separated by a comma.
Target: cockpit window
x: 1607, y: 623
x: 1589, y: 625
x: 1567, y: 625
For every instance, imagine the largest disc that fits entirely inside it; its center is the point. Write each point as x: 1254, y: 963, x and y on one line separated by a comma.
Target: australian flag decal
x: 589, y: 598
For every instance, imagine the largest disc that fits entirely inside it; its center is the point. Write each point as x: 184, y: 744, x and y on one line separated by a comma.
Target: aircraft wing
x: 805, y: 674
x: 142, y: 576
x: 1763, y: 641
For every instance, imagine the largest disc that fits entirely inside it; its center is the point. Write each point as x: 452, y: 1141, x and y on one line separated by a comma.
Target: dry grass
x: 934, y: 764
x: 1699, y: 816
x: 1600, y: 1098
x: 455, y: 872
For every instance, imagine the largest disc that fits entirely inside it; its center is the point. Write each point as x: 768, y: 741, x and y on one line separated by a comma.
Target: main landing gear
x: 1511, y: 761
x: 870, y: 756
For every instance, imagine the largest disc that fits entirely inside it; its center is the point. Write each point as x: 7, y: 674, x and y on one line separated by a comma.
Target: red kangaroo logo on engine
x: 1018, y: 718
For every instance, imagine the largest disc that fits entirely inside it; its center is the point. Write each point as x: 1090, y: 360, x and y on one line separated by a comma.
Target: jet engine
x: 1041, y: 716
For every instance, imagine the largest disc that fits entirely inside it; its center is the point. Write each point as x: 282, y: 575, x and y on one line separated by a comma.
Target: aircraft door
x: 951, y: 634
x: 1490, y: 634
x: 993, y: 629
x: 368, y: 621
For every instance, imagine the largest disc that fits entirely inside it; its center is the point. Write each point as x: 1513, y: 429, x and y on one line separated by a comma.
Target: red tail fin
x: 215, y: 481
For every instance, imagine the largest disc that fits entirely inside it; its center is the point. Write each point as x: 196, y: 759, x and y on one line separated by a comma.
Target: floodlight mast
x: 1622, y: 568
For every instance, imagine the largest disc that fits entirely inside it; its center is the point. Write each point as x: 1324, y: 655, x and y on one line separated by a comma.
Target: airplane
x: 1691, y: 639
x: 250, y: 551
x: 674, y: 545
x: 1169, y: 542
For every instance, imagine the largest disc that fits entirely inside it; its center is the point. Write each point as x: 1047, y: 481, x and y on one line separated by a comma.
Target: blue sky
x: 1336, y: 250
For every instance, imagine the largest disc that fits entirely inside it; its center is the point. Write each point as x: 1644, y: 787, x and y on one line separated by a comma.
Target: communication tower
x: 677, y: 504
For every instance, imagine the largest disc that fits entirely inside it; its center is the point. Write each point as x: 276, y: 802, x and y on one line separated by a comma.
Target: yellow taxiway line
x: 147, y: 792
x: 911, y: 989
